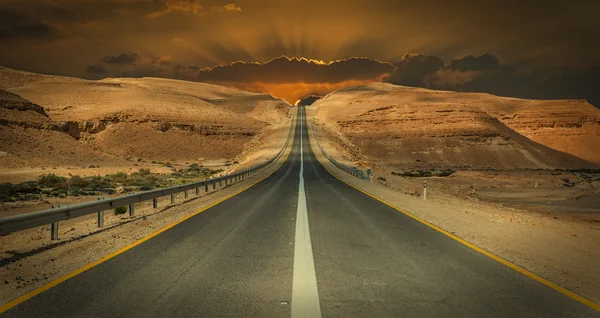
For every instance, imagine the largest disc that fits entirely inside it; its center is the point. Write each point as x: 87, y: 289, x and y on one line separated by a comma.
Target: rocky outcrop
x: 403, y: 126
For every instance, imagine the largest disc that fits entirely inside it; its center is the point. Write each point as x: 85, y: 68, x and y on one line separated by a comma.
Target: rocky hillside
x: 29, y: 138
x: 408, y: 127
x: 126, y: 118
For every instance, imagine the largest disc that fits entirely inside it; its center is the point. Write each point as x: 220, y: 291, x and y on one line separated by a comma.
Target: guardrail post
x: 131, y: 210
x: 155, y: 203
x: 186, y: 194
x: 101, y: 219
x: 172, y: 197
x: 214, y: 185
x: 54, y: 231
x: 197, y: 191
x: 206, y: 187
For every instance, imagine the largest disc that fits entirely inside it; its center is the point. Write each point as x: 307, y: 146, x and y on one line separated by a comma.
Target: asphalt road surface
x: 301, y: 247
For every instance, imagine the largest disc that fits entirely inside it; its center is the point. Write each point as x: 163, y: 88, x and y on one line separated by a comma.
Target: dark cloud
x: 191, y: 6
x: 188, y: 72
x: 484, y: 62
x: 15, y: 25
x: 122, y: 59
x: 290, y: 70
x: 413, y: 69
x: 96, y: 69
x: 486, y: 74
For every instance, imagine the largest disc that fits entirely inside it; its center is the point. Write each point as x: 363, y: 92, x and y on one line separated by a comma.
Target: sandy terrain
x: 29, y: 259
x: 112, y: 121
x: 408, y: 127
x: 559, y: 247
x: 69, y: 126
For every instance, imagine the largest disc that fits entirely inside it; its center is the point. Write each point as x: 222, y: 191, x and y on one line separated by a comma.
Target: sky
x: 531, y: 49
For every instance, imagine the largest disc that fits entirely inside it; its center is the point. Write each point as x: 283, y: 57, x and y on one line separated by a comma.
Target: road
x: 301, y: 246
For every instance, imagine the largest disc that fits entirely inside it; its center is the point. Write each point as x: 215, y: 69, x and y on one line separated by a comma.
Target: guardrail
x: 351, y: 170
x: 25, y: 221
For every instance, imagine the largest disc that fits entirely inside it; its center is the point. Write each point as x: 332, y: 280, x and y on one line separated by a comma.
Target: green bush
x: 120, y: 210
x: 144, y: 171
x: 6, y: 192
x: 446, y: 173
x: 78, y: 182
x: 26, y: 187
x: 119, y: 177
x: 51, y: 180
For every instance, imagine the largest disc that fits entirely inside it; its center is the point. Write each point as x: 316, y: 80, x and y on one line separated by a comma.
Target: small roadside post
x: 425, y: 190
x: 370, y: 175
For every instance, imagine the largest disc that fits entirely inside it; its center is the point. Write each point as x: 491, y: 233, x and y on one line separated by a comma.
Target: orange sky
x: 545, y: 49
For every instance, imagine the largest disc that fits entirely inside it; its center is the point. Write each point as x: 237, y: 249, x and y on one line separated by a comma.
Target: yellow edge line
x: 478, y: 249
x: 57, y: 281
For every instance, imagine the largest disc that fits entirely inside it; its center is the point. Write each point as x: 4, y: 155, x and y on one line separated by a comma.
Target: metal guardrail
x: 25, y: 221
x: 351, y: 170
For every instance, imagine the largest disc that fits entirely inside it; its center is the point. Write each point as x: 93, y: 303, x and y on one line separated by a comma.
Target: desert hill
x: 54, y: 120
x: 405, y: 126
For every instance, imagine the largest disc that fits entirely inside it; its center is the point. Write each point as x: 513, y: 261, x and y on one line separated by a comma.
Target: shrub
x: 6, y: 188
x: 120, y: 210
x: 144, y: 171
x: 446, y: 173
x: 78, y: 182
x: 51, y: 180
x: 6, y: 191
x: 26, y: 187
x: 119, y: 177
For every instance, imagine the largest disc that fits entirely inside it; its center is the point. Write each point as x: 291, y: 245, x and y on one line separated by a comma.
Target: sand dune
x: 73, y: 121
x: 406, y: 127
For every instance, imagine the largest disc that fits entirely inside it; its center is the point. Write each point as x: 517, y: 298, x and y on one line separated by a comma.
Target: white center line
x: 305, y: 295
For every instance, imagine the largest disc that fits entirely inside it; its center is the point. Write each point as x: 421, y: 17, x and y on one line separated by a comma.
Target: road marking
x: 305, y: 295
x: 66, y: 277
x: 495, y: 257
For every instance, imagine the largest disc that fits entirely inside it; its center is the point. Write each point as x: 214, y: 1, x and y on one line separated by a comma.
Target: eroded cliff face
x: 402, y: 126
x: 568, y: 126
x: 28, y: 137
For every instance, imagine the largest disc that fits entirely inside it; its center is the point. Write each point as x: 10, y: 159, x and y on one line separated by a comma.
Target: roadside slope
x: 448, y: 129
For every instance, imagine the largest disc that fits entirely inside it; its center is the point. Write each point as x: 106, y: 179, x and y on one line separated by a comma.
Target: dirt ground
x: 550, y: 229
x: 29, y: 259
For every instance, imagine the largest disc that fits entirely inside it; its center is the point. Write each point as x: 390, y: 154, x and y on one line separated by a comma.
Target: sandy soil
x: 29, y: 259
x: 61, y: 122
x: 396, y: 125
x: 503, y: 212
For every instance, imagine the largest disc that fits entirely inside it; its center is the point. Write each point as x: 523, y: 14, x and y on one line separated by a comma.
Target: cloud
x: 15, y: 25
x: 122, y: 59
x: 414, y: 68
x: 136, y: 65
x: 294, y: 70
x: 294, y: 78
x: 189, y: 6
x: 232, y: 7
x: 189, y: 72
x: 469, y: 62
x: 166, y: 6
x: 486, y: 74
x: 96, y: 69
